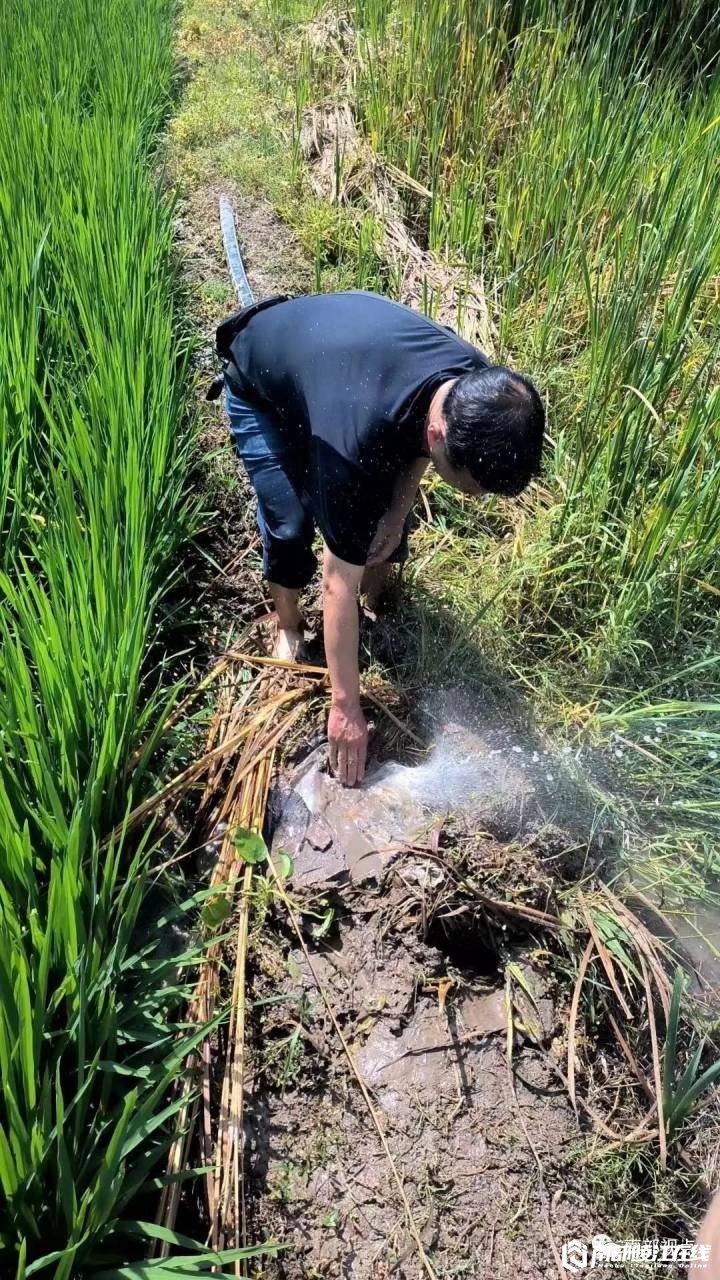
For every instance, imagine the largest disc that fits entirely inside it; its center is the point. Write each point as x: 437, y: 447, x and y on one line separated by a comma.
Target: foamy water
x: 454, y: 776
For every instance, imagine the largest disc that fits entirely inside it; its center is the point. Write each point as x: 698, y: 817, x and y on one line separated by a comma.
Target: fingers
x: 351, y: 766
x: 361, y: 760
x: 347, y: 742
x: 348, y: 761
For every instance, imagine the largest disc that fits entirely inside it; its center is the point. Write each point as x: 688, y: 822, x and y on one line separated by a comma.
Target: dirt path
x: 493, y: 1163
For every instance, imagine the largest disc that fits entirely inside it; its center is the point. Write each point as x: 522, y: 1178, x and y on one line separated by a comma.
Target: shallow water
x: 693, y: 933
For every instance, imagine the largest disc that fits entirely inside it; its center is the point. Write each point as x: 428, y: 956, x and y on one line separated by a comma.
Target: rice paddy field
x: 557, y: 160
x: 93, y: 506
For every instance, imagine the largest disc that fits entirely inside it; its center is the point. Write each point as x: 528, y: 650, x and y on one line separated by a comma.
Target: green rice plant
x: 93, y: 508
x: 681, y: 1093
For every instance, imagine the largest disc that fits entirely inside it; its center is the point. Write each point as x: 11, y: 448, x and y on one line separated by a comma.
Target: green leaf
x: 284, y: 864
x: 152, y: 1231
x: 8, y: 1172
x: 216, y: 911
x: 41, y: 1264
x: 21, y: 1272
x: 180, y: 1268
x: 250, y: 846
x: 324, y: 926
x: 184, y: 1175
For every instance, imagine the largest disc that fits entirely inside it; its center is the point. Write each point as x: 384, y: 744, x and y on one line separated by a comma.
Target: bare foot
x: 287, y: 645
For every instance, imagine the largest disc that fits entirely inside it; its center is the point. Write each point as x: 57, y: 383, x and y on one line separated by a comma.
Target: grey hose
x: 232, y: 251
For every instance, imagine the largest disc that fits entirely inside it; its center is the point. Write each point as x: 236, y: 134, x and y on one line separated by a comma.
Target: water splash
x: 487, y: 765
x: 493, y: 775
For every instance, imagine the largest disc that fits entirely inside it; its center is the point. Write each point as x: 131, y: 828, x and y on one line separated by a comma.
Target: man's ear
x: 435, y: 432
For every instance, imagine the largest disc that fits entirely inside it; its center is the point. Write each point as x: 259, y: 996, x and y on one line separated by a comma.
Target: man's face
x: 435, y: 437
x: 461, y: 480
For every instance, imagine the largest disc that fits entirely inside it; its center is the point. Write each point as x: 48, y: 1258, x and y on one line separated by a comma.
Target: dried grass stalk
x: 241, y: 799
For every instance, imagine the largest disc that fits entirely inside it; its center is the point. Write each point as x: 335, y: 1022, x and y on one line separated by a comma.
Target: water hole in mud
x: 470, y: 947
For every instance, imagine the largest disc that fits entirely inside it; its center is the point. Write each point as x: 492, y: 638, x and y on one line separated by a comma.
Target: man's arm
x: 390, y: 526
x: 347, y: 727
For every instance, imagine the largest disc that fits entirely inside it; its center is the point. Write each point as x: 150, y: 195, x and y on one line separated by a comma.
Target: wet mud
x: 429, y: 1039
x: 490, y: 1159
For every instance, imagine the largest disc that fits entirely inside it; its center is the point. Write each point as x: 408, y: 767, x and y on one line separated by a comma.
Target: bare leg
x: 290, y: 623
x: 373, y: 584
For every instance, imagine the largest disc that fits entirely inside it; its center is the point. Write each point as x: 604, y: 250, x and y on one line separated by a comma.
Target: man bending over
x: 337, y: 404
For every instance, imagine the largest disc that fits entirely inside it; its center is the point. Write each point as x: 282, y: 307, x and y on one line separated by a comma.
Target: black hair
x: 495, y: 423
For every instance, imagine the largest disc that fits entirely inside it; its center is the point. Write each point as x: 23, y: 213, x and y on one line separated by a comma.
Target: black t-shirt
x: 350, y: 376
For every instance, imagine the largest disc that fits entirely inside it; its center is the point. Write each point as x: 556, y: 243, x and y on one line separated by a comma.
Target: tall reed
x: 572, y: 156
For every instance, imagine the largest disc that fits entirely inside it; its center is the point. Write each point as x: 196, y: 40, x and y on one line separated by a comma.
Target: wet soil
x: 491, y: 1168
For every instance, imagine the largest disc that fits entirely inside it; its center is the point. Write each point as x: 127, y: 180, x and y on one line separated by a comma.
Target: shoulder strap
x: 227, y: 332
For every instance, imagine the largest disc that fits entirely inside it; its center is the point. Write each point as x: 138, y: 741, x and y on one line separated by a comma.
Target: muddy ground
x: 428, y: 1037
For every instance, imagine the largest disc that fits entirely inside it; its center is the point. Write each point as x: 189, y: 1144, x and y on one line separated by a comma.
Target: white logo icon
x: 574, y: 1256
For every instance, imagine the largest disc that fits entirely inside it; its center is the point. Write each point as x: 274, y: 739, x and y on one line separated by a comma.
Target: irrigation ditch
x: 443, y: 1046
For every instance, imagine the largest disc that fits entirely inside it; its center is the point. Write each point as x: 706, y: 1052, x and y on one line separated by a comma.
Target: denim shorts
x: 284, y: 513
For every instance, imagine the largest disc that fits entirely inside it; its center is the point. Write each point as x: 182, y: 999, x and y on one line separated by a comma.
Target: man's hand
x: 390, y: 527
x: 347, y: 729
x: 348, y: 739
x: 387, y: 538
